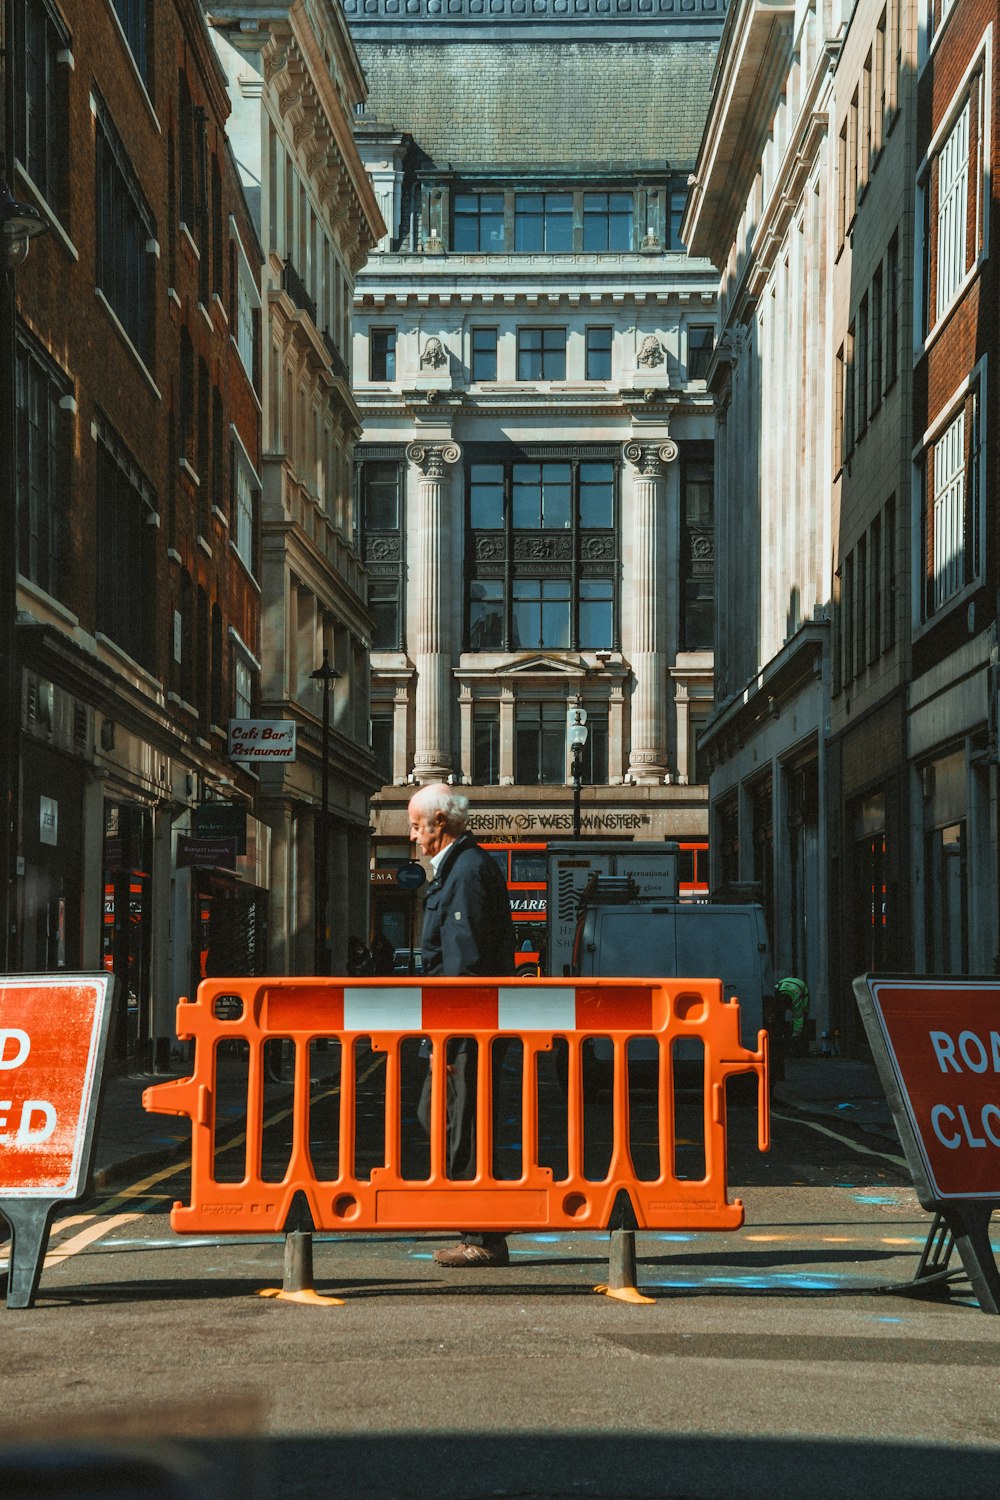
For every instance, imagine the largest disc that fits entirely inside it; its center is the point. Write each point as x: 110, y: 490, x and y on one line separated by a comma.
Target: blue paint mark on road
x: 887, y: 1199
x: 888, y: 1320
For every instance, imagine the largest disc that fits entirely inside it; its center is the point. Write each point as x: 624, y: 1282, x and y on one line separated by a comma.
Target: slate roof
x: 484, y: 104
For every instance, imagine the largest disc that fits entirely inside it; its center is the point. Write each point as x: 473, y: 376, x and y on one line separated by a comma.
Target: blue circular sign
x: 410, y: 875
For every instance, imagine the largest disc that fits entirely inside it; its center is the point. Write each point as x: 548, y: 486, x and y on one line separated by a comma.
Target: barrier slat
x: 305, y: 1011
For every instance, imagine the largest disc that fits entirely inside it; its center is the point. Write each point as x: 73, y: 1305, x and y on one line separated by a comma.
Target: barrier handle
x: 763, y: 1096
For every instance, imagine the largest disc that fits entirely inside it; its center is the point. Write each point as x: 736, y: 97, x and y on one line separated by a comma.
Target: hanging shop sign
x: 261, y: 739
x: 222, y: 820
x: 209, y: 853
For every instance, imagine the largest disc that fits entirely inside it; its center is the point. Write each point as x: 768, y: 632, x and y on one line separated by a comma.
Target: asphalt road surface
x: 783, y: 1359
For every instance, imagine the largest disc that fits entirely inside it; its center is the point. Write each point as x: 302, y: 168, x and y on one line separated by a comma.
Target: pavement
x: 131, y: 1142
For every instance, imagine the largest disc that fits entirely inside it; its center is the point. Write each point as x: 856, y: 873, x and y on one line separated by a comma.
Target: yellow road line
x: 65, y: 1249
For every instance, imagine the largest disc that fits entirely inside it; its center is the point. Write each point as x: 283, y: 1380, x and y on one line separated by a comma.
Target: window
x: 876, y: 339
x: 41, y: 467
x: 843, y: 216
x: 952, y: 198
x: 861, y: 362
x: 557, y: 519
x: 876, y: 587
x: 486, y: 745
x: 607, y: 221
x: 381, y: 730
x: 698, y: 544
x: 597, y: 606
x: 848, y: 618
x: 383, y: 354
x: 125, y: 551
x: 40, y: 126
x: 484, y: 354
x: 541, y: 496
x: 125, y: 232
x: 381, y: 497
x: 862, y: 583
x: 893, y: 274
x: 890, y: 572
x: 598, y: 354
x: 951, y: 486
x: 595, y: 751
x: 678, y: 206
x: 850, y: 410
x: 541, y: 614
x: 486, y: 614
x: 701, y: 342
x: 247, y: 299
x: 383, y: 601
x: 477, y: 222
x: 540, y: 744
x: 243, y: 685
x: 247, y: 493
x: 541, y: 354
x: 543, y: 221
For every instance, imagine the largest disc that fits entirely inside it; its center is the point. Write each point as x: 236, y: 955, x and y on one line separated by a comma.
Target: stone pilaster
x: 432, y: 744
x: 648, y: 759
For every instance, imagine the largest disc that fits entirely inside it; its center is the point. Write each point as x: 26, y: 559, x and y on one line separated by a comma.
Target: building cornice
x: 799, y: 661
x: 526, y: 21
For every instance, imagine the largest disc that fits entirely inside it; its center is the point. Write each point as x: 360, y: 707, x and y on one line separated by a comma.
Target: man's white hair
x: 441, y: 798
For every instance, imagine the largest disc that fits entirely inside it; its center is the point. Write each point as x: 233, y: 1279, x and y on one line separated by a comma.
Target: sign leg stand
x: 29, y: 1221
x: 970, y: 1226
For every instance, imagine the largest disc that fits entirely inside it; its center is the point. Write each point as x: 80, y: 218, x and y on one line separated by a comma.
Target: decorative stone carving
x: 542, y: 548
x: 489, y: 546
x: 431, y: 459
x: 434, y: 355
x: 650, y: 352
x: 382, y: 549
x: 649, y: 458
x: 596, y: 548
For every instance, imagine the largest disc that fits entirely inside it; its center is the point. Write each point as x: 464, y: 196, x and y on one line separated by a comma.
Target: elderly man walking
x: 467, y: 930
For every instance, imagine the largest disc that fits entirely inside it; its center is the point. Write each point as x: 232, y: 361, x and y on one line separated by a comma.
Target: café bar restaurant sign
x: 936, y: 1042
x: 261, y: 739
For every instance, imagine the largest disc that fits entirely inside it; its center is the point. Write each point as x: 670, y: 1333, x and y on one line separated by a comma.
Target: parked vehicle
x: 653, y: 867
x: 664, y: 940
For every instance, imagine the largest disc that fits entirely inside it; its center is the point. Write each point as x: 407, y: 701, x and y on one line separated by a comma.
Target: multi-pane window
x: 607, y: 221
x: 484, y: 354
x: 541, y: 613
x: 125, y: 550
x: 598, y: 354
x: 381, y: 737
x: 698, y: 557
x: 952, y: 525
x: 41, y: 467
x: 380, y: 491
x: 40, y: 103
x: 246, y: 296
x: 952, y: 205
x: 678, y: 206
x: 541, y: 354
x: 477, y: 222
x: 246, y: 515
x: 125, y: 231
x: 861, y: 364
x: 543, y: 221
x: 540, y: 744
x: 382, y: 351
x: 132, y: 15
x: 876, y: 338
x: 243, y: 684
x: 486, y: 745
x: 595, y: 751
x: 554, y: 520
x: 893, y: 293
x: 948, y: 533
x: 701, y: 342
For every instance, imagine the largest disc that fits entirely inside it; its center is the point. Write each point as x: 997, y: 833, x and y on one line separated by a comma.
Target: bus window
x: 528, y: 867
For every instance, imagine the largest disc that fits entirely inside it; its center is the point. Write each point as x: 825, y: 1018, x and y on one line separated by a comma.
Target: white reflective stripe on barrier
x: 528, y: 1007
x: 376, y: 1009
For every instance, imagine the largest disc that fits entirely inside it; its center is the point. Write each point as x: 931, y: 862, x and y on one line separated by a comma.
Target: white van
x: 644, y: 940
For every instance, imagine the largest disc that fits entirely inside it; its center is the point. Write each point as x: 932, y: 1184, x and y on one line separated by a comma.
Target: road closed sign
x: 53, y: 1033
x: 936, y: 1042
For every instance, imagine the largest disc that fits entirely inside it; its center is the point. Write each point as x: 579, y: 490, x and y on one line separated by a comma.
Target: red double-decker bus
x: 692, y: 871
x: 525, y: 869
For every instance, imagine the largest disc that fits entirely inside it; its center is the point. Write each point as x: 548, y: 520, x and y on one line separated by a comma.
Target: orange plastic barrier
x: 388, y: 1012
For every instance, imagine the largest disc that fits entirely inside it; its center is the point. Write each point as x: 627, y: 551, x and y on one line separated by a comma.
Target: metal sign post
x: 410, y: 876
x: 53, y: 1041
x: 936, y: 1044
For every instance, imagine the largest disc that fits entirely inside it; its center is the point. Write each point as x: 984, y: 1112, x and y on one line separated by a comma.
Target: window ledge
x: 239, y: 556
x: 173, y: 555
x: 128, y: 342
x: 186, y: 465
x: 179, y: 702
x: 45, y: 207
x: 192, y: 243
x: 220, y: 516
x: 203, y: 545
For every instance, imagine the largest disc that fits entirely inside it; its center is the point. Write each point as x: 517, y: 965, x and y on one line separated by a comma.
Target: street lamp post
x: 577, y: 730
x: 327, y: 675
x: 19, y: 223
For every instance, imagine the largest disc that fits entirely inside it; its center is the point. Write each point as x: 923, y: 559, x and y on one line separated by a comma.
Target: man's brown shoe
x: 473, y: 1257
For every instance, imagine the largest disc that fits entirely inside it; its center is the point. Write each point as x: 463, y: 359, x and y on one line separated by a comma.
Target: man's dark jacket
x: 467, y: 927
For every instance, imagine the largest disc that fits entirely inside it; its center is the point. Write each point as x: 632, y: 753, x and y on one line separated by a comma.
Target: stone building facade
x: 137, y: 597
x: 294, y: 82
x: 534, y: 481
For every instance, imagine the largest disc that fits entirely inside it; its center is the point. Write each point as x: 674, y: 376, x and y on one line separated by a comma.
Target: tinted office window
x: 607, y: 221
x: 486, y: 496
x: 598, y: 354
x: 486, y: 614
x: 477, y: 222
x: 701, y: 342
x: 484, y: 354
x: 541, y: 354
x: 383, y: 354
x: 543, y: 221
x: 541, y: 496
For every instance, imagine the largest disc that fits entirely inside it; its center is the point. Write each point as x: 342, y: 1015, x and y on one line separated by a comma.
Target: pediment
x: 545, y: 665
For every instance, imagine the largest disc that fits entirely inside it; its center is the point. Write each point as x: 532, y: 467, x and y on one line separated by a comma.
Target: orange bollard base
x: 298, y: 1280
x: 621, y: 1269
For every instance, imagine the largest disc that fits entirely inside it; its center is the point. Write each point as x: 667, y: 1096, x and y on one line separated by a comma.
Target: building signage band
x: 261, y: 739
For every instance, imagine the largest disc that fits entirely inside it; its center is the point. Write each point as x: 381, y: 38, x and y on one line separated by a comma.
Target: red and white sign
x: 943, y: 1040
x: 51, y: 1034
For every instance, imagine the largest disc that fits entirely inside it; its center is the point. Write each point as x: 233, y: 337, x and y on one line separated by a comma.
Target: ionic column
x: 648, y: 760
x: 432, y: 745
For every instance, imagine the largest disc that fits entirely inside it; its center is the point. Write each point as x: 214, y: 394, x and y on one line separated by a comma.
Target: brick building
x: 138, y: 438
x: 535, y: 476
